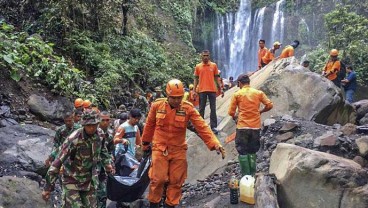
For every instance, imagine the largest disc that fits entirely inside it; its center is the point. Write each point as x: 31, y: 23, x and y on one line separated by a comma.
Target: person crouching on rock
x: 79, y: 156
x: 248, y: 100
x: 165, y: 132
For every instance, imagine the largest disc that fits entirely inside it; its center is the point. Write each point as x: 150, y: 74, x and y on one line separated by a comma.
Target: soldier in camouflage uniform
x: 79, y: 157
x: 61, y: 134
x: 102, y: 177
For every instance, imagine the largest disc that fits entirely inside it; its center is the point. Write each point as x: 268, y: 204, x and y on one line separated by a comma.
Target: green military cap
x: 90, y: 117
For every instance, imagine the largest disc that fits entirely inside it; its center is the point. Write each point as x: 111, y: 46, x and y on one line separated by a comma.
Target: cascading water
x: 277, y: 33
x: 236, y: 38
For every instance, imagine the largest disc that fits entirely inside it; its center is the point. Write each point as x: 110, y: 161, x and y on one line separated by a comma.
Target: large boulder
x: 47, y: 110
x: 293, y: 91
x: 25, y: 145
x: 310, y: 178
x: 21, y: 193
x: 361, y: 108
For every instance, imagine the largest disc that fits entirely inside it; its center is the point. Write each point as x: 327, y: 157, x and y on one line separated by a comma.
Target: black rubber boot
x: 154, y: 205
x: 168, y: 206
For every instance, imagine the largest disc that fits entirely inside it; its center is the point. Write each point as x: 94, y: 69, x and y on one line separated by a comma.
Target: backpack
x: 342, y: 73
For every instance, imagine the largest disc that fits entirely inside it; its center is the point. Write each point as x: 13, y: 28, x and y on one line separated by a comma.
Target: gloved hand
x: 220, y: 149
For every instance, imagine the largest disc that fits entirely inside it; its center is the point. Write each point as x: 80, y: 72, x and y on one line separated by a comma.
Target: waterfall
x: 278, y: 24
x: 236, y: 37
x: 304, y: 25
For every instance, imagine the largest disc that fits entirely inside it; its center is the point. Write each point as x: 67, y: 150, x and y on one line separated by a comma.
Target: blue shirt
x: 129, y: 133
x: 352, y: 84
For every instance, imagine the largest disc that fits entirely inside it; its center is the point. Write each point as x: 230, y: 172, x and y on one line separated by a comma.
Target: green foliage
x: 348, y: 32
x: 30, y: 55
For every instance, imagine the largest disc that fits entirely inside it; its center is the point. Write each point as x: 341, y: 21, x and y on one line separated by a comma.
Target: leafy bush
x: 347, y: 32
x: 30, y: 55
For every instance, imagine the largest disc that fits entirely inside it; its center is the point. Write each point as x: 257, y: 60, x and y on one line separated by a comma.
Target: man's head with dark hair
x: 349, y: 68
x: 205, y: 55
x: 134, y: 116
x: 105, y: 120
x: 135, y: 113
x: 243, y: 79
x: 77, y: 115
x: 69, y: 119
x: 261, y: 43
x: 305, y: 63
x: 295, y: 43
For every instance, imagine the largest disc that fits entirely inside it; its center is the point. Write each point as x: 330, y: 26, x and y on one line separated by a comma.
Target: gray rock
x: 328, y: 139
x: 362, y: 144
x: 364, y: 120
x: 27, y: 145
x: 4, y: 111
x: 49, y: 110
x: 323, y: 179
x: 7, y: 122
x: 284, y: 137
x: 20, y: 192
x: 348, y: 129
x: 268, y: 122
x: 287, y: 118
x: 360, y: 160
x: 289, y: 126
x: 361, y: 108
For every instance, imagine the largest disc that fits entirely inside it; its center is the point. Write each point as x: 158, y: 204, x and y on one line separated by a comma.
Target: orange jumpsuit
x: 166, y: 129
x: 331, y: 69
x: 248, y: 101
x: 287, y: 52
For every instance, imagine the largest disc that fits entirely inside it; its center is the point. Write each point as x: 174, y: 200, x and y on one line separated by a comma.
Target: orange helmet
x: 334, y: 52
x: 175, y: 88
x: 87, y: 104
x: 78, y: 102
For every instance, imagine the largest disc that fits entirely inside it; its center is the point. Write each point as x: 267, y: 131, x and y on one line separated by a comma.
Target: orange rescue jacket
x: 331, y: 69
x: 248, y: 101
x: 166, y: 127
x: 287, y: 52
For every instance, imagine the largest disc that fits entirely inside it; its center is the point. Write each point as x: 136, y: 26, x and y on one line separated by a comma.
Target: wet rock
x: 305, y: 140
x: 51, y: 111
x: 284, y: 137
x: 362, y: 145
x: 348, y: 129
x: 20, y: 192
x: 287, y: 118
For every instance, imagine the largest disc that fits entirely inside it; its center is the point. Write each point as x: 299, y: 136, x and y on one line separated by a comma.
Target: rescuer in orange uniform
x: 332, y: 67
x: 78, y: 104
x: 165, y: 133
x: 289, y: 50
x: 193, y: 99
x: 248, y: 100
x: 270, y: 54
x: 261, y: 52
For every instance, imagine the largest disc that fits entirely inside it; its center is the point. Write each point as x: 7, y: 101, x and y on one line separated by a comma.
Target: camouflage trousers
x: 101, y: 192
x: 79, y: 199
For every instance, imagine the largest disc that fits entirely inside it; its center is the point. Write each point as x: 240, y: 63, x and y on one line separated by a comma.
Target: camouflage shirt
x: 61, y: 134
x: 142, y: 104
x: 79, y: 157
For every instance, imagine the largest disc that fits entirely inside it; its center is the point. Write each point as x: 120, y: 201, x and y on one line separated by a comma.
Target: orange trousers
x: 172, y: 169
